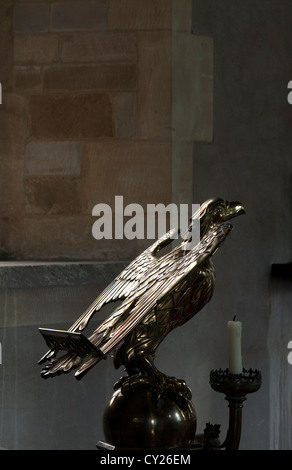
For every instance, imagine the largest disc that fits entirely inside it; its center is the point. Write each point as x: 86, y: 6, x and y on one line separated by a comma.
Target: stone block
x: 182, y: 172
x: 98, y: 46
x: 6, y: 42
x: 33, y: 1
x: 52, y: 195
x: 6, y: 7
x: 27, y: 78
x: 12, y: 127
x: 31, y: 17
x: 11, y: 184
x: 70, y: 238
x: 124, y: 106
x: 155, y: 85
x: 52, y: 158
x: 181, y: 15
x: 138, y: 171
x: 11, y: 237
x: 192, y: 87
x: 6, y: 79
x: 137, y: 15
x: 35, y: 48
x: 86, y: 77
x: 5, y: 48
x: 70, y: 116
x: 76, y: 15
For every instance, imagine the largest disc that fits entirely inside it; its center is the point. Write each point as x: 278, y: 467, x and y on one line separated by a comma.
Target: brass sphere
x: 140, y: 421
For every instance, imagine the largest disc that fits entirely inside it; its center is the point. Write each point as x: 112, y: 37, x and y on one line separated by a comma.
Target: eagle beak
x: 234, y: 209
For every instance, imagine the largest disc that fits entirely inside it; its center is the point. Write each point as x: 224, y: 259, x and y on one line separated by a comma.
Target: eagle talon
x: 120, y: 383
x: 175, y: 388
x: 134, y: 383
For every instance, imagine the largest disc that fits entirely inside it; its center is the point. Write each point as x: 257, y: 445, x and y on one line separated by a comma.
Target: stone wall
x: 100, y: 98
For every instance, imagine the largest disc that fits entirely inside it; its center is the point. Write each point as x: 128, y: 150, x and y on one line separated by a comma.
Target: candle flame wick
x: 234, y: 317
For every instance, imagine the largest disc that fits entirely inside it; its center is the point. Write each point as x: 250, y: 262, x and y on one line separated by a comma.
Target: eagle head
x: 214, y: 212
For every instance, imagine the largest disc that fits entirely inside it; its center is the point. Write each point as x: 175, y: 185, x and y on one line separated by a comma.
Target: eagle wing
x: 158, y: 281
x: 162, y: 279
x: 126, y: 282
x: 122, y: 286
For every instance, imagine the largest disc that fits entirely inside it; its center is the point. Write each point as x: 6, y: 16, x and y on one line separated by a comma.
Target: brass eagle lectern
x: 158, y: 294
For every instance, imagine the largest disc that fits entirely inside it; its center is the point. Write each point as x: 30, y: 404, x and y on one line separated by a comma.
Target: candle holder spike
x: 235, y: 387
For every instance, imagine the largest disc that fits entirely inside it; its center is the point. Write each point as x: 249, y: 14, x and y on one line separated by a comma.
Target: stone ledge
x: 37, y: 274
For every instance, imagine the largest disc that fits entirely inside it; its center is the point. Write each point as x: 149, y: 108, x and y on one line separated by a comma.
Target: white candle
x: 234, y: 341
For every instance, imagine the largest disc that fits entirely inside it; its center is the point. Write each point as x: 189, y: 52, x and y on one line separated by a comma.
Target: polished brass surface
x: 158, y: 294
x: 140, y: 421
x: 235, y: 387
x: 249, y: 381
